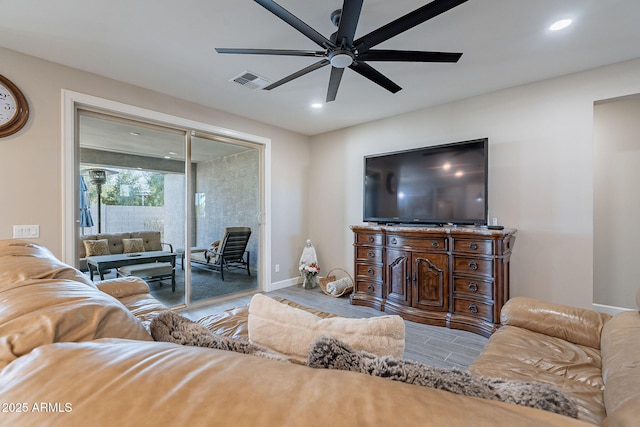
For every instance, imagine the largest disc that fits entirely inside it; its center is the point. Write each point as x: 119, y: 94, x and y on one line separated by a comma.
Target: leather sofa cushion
x: 291, y: 331
x: 576, y: 325
x: 621, y: 366
x: 21, y: 260
x: 233, y: 323
x: 45, y: 301
x: 123, y: 286
x: 133, y: 293
x: 515, y: 353
x: 163, y: 384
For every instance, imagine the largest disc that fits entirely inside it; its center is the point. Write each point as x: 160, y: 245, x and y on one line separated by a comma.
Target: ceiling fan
x: 340, y: 50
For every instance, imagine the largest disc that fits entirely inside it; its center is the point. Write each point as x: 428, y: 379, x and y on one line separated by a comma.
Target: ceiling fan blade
x: 375, y: 76
x: 334, y: 83
x: 404, y: 23
x: 408, y: 56
x: 296, y: 23
x: 297, y: 74
x: 348, y: 22
x: 285, y: 52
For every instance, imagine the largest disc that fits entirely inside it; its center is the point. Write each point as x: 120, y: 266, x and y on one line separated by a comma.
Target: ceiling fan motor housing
x: 341, y: 58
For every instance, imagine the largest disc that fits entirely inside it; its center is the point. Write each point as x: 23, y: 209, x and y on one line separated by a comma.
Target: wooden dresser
x: 456, y: 277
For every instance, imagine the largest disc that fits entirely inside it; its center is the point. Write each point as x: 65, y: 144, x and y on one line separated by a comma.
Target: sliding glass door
x: 140, y: 180
x: 226, y: 202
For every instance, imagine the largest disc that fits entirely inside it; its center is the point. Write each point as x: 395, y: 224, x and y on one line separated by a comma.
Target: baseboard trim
x: 609, y: 309
x: 275, y: 286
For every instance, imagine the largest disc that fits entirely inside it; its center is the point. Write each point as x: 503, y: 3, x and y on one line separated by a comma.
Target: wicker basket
x: 331, y: 278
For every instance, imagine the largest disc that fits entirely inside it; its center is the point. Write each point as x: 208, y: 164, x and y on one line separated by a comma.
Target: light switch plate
x: 26, y: 231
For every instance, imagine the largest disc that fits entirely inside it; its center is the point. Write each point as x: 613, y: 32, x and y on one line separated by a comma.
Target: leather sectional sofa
x: 75, y: 353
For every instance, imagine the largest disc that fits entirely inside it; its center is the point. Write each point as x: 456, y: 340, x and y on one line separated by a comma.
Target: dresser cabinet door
x: 398, y: 269
x: 430, y: 282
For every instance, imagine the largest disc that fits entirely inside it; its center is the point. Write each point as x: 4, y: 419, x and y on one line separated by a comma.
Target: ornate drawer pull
x: 473, y: 265
x: 473, y: 246
x: 371, y: 239
x: 371, y: 288
x: 473, y: 308
x: 473, y: 287
x: 394, y: 241
x: 371, y: 271
x: 435, y: 244
x: 371, y: 254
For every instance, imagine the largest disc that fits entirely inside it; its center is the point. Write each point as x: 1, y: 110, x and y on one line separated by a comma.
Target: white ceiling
x: 168, y: 46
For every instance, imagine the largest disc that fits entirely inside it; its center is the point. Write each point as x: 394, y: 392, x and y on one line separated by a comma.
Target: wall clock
x: 14, y: 109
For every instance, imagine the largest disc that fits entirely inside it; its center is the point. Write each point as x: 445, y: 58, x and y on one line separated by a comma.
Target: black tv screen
x: 443, y: 184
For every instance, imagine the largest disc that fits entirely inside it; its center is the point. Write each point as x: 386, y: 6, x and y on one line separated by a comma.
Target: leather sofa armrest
x: 576, y: 325
x: 122, y: 287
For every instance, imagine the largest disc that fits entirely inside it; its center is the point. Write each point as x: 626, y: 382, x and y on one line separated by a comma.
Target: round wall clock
x: 14, y: 110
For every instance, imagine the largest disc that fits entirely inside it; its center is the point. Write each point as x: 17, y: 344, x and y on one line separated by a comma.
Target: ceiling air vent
x: 251, y: 80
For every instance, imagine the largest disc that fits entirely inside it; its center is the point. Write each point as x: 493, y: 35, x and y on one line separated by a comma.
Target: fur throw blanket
x: 330, y: 353
x: 172, y: 327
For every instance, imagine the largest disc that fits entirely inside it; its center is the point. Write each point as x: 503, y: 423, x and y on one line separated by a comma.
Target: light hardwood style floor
x: 433, y: 345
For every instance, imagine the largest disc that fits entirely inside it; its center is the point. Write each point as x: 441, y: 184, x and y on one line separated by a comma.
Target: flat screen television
x: 437, y: 185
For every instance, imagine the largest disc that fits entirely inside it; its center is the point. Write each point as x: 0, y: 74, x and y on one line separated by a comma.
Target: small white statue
x: 308, y: 256
x: 308, y: 265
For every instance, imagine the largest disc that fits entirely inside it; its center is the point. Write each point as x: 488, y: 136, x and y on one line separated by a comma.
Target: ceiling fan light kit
x: 341, y: 51
x: 340, y: 58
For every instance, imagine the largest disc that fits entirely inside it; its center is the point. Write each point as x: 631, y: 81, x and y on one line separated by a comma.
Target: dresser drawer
x: 369, y: 287
x: 372, y: 272
x: 417, y: 243
x: 368, y: 254
x: 477, y: 266
x: 473, y: 287
x: 369, y: 239
x: 474, y: 246
x: 472, y: 308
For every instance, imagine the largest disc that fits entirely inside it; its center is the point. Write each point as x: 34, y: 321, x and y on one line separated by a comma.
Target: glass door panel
x: 132, y: 186
x: 225, y: 178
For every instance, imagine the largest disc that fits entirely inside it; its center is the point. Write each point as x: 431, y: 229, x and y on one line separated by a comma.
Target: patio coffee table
x: 101, y: 263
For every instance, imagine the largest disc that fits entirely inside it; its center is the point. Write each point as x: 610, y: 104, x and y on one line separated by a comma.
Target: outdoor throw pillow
x: 132, y: 245
x: 330, y: 353
x: 96, y: 247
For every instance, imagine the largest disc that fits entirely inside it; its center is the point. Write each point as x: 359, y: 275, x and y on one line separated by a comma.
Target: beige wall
x: 30, y: 161
x: 616, y: 135
x: 541, y: 171
x: 541, y: 167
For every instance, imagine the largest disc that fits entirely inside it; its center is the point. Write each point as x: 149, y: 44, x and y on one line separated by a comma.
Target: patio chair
x: 229, y: 252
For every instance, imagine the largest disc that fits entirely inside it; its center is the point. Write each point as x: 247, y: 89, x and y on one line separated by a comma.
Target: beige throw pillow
x: 291, y: 331
x: 132, y: 245
x: 96, y: 247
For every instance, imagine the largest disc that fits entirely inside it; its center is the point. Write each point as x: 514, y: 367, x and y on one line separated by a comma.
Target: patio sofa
x: 151, y: 241
x: 76, y: 353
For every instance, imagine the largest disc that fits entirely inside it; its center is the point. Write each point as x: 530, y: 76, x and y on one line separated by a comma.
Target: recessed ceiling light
x: 134, y: 133
x: 559, y: 25
x: 173, y: 153
x: 316, y: 105
x: 167, y: 157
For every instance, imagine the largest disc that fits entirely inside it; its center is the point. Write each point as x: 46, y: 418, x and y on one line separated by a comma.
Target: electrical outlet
x: 494, y: 221
x: 277, y: 268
